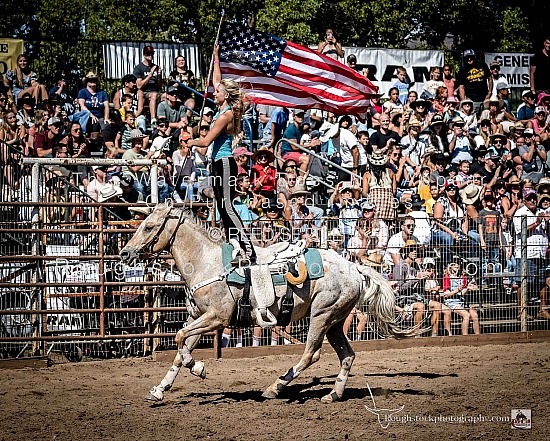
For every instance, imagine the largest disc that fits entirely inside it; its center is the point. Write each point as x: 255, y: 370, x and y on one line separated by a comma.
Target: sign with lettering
x: 10, y: 49
x: 514, y: 66
x: 383, y: 64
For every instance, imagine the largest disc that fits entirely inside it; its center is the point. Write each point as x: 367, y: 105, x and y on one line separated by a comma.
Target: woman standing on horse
x: 226, y: 124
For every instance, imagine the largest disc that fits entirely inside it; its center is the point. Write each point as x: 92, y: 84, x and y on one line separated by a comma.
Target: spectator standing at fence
x: 330, y: 46
x: 343, y: 203
x: 474, y: 80
x: 183, y: 76
x: 95, y: 101
x: 98, y: 182
x: 540, y: 68
x: 455, y: 290
x: 537, y: 244
x: 149, y: 80
x: 129, y: 87
x: 23, y: 80
x: 398, y: 241
x: 490, y: 237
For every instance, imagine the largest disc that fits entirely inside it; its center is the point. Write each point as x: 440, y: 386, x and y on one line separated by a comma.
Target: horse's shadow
x: 301, y: 393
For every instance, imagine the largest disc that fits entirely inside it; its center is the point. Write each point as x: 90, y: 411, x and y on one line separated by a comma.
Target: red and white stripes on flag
x: 277, y: 72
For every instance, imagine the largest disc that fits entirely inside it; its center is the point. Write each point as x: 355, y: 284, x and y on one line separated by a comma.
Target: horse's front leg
x: 186, y: 339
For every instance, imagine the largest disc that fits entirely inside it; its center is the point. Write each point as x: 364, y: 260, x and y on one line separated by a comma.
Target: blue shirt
x: 291, y: 132
x: 94, y: 102
x: 222, y: 145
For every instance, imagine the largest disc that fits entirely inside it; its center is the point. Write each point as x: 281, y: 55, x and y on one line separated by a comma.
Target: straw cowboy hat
x: 418, y: 102
x: 141, y: 208
x: 544, y: 182
x: 299, y: 190
x: 410, y: 245
x: 374, y: 259
x: 470, y: 194
x: 456, y: 120
x: 414, y: 121
x: 493, y: 100
x: 328, y: 131
x: 90, y: 76
x: 514, y: 180
x: 335, y: 234
x: 378, y: 158
x: 263, y: 149
x: 465, y: 101
x: 109, y: 191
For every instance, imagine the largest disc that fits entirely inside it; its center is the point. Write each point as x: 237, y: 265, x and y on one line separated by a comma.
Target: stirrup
x: 241, y: 262
x: 271, y: 319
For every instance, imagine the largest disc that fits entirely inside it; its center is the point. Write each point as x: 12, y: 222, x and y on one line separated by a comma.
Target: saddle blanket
x: 314, y: 265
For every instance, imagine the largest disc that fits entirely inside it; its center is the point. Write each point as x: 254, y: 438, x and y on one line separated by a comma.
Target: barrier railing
x: 64, y: 291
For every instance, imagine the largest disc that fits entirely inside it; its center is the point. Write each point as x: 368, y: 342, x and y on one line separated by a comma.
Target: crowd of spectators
x: 427, y: 181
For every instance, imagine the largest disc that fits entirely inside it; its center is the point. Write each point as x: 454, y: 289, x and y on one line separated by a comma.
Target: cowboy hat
x: 544, y: 182
x: 299, y: 189
x: 335, y: 233
x: 409, y: 246
x: 90, y: 76
x: 141, y: 208
x: 470, y: 194
x: 416, y: 200
x: 498, y: 136
x: 493, y: 100
x: 418, y: 102
x: 456, y: 120
x: 328, y: 131
x: 367, y: 205
x: 263, y: 150
x: 136, y: 134
x: 518, y: 125
x: 414, y: 121
x: 374, y: 259
x: 430, y: 150
x: 378, y: 158
x: 514, y: 180
x: 464, y: 101
x: 109, y: 191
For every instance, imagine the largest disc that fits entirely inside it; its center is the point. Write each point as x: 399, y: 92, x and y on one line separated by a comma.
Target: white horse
x: 327, y: 301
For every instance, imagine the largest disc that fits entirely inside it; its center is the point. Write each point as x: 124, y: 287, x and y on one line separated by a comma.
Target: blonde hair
x: 235, y: 100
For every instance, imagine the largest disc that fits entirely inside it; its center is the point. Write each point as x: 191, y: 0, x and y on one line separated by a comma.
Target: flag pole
x: 210, y: 69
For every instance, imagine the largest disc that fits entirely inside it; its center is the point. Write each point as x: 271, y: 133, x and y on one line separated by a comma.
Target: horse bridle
x: 148, y: 247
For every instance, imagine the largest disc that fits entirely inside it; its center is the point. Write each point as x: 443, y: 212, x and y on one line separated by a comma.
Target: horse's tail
x: 381, y: 300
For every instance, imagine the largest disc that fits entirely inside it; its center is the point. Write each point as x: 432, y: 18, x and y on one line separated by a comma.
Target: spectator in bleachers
x: 149, y: 80
x: 449, y: 80
x: 434, y: 82
x: 474, y: 80
x: 242, y: 158
x: 533, y: 157
x: 60, y: 95
x: 364, y: 149
x: 414, y: 144
x: 293, y: 133
x: 402, y: 85
x: 97, y: 183
x: 540, y: 124
x: 246, y: 202
x: 123, y: 141
x: 455, y: 288
x: 183, y: 76
x: 263, y: 175
x: 398, y: 241
x: 540, y: 68
x: 343, y: 203
x: 13, y: 149
x: 379, y: 184
x: 46, y: 141
x: 23, y: 80
x: 301, y: 218
x: 392, y: 104
x: 129, y: 87
x: 490, y: 237
x: 78, y: 147
x: 461, y: 143
x: 274, y: 128
x: 185, y: 169
x: 450, y: 110
x: 422, y: 224
x: 371, y: 235
x: 140, y: 173
x: 383, y: 138
x: 110, y: 133
x: 331, y: 46
x: 466, y: 109
x: 93, y: 99
x: 25, y: 114
x: 526, y: 110
x: 174, y: 111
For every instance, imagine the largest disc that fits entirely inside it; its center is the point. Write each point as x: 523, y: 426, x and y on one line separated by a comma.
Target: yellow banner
x: 10, y: 49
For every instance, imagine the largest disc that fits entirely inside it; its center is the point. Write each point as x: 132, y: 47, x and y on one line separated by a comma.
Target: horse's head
x: 152, y: 236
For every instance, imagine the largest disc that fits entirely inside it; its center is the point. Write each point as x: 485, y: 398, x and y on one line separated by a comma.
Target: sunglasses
x: 497, y: 141
x: 291, y: 166
x: 77, y: 129
x: 162, y: 125
x: 263, y: 156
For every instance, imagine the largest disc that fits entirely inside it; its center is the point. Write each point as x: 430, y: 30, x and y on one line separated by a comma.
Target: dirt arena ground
x: 104, y: 400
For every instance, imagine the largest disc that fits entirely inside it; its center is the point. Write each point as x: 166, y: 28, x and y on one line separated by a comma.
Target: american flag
x: 277, y: 72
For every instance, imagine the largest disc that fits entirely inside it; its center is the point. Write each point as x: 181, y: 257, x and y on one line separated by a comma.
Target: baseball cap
x: 502, y: 85
x: 526, y: 93
x: 126, y: 181
x: 172, y: 90
x: 148, y: 50
x: 469, y: 53
x: 529, y: 192
x: 241, y: 151
x: 367, y: 205
x: 299, y: 112
x: 429, y: 261
x: 136, y: 134
x: 54, y: 120
x: 494, y: 63
x: 491, y: 153
x: 208, y: 110
x: 528, y: 131
x: 185, y: 136
x: 540, y: 109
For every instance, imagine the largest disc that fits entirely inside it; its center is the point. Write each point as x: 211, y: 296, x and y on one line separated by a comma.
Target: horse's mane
x: 197, y: 225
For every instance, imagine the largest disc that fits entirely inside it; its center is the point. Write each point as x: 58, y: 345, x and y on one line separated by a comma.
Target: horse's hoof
x: 330, y: 398
x: 199, y: 370
x: 155, y: 395
x: 268, y: 393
